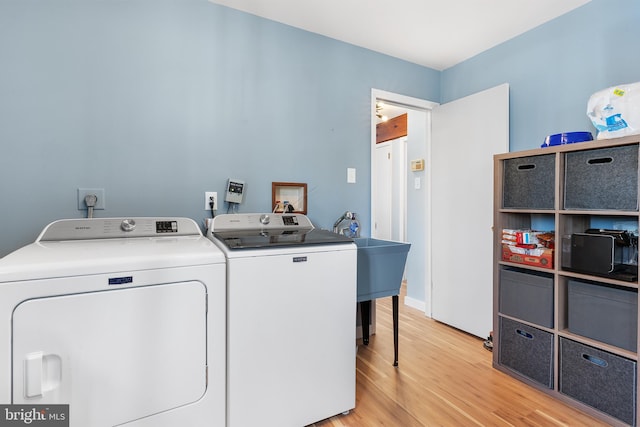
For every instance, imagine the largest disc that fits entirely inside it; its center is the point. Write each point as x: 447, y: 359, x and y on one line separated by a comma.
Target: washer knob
x: 264, y: 219
x: 128, y: 225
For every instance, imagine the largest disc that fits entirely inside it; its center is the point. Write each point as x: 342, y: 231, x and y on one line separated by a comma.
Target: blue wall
x: 158, y: 101
x: 553, y: 69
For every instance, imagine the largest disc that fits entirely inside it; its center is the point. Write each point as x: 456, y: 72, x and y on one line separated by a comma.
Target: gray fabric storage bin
x: 605, y: 178
x: 529, y: 182
x: 526, y: 350
x: 602, y: 380
x: 527, y: 296
x: 604, y: 313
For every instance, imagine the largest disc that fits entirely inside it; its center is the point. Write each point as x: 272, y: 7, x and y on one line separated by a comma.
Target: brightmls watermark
x: 34, y: 415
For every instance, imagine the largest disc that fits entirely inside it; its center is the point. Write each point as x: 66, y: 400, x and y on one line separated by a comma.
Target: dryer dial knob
x: 128, y: 225
x: 264, y: 219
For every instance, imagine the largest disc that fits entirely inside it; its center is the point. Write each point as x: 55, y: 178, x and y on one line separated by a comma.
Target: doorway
x: 437, y: 282
x: 399, y: 196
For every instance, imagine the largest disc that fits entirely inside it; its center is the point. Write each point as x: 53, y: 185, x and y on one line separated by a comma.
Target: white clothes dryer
x: 123, y: 319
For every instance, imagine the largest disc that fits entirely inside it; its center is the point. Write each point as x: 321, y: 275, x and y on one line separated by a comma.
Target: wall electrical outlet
x: 207, y: 200
x: 98, y: 192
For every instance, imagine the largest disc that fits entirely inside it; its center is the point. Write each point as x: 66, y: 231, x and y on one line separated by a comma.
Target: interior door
x: 390, y: 190
x: 382, y: 191
x: 466, y: 133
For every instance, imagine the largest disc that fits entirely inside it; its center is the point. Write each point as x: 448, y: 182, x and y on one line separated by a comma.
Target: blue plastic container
x: 566, y: 138
x: 380, y: 267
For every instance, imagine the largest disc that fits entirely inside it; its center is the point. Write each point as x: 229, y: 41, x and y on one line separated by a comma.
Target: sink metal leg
x: 365, y: 317
x: 394, y: 300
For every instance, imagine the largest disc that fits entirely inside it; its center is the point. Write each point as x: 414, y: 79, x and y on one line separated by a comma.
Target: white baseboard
x: 415, y: 303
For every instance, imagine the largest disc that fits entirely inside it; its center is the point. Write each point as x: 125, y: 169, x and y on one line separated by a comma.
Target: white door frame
x: 412, y: 104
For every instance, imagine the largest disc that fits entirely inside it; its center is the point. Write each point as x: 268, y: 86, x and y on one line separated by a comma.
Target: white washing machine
x: 121, y: 319
x: 291, y: 310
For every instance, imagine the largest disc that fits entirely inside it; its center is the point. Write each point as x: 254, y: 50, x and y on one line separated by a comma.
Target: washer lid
x: 265, y: 230
x: 253, y: 239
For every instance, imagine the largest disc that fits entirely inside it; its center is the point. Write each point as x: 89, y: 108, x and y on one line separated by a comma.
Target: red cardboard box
x: 540, y: 257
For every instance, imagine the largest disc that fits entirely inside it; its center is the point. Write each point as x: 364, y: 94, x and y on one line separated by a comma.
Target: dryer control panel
x: 110, y: 228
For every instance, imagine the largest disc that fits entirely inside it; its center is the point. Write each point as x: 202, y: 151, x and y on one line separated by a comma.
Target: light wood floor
x: 444, y: 378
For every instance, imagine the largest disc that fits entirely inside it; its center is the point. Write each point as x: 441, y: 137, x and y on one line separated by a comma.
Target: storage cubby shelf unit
x: 563, y: 323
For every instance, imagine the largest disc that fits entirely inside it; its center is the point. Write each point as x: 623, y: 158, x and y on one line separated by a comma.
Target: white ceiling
x: 434, y: 33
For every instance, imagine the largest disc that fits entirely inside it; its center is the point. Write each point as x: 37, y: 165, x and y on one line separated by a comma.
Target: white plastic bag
x: 615, y: 111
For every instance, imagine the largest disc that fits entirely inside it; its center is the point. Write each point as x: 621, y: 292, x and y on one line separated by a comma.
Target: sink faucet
x: 345, y: 216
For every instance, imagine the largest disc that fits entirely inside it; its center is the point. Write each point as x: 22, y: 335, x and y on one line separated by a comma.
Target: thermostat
x: 235, y: 191
x: 417, y: 165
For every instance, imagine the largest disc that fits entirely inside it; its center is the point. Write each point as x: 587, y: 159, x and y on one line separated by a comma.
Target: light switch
x: 351, y: 175
x: 416, y: 183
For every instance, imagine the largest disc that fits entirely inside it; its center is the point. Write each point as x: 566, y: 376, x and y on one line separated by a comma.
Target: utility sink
x: 380, y: 267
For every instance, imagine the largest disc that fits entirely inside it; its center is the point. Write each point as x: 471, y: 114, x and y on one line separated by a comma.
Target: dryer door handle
x: 33, y: 374
x: 42, y: 373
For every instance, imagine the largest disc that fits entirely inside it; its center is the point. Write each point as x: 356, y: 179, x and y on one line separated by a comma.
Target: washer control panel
x: 257, y: 221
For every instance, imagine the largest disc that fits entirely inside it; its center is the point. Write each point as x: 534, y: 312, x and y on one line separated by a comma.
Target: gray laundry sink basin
x: 380, y: 267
